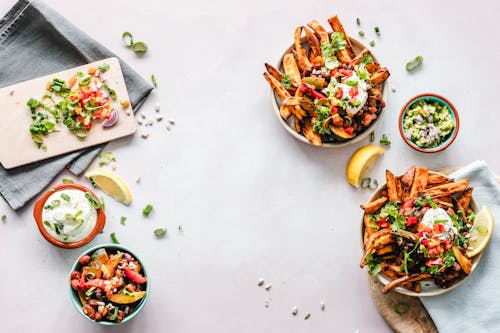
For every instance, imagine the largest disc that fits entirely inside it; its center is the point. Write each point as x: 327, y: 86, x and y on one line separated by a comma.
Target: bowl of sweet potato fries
x: 329, y: 90
x: 415, y: 233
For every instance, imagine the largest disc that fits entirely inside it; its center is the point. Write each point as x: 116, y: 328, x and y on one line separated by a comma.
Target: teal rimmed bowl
x: 430, y: 98
x: 111, y: 248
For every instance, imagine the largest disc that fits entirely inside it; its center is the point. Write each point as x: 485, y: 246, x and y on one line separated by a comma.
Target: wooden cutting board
x: 16, y: 145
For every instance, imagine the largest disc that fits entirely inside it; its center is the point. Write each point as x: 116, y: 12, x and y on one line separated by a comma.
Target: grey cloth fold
x: 36, y: 41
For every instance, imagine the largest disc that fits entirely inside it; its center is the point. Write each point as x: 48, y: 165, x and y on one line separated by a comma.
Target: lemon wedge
x: 480, y: 233
x: 362, y: 160
x: 111, y: 184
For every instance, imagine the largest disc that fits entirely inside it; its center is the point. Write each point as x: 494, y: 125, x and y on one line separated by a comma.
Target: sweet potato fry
x: 370, y: 227
x: 447, y: 189
x: 319, y: 31
x: 302, y: 62
x: 337, y: 27
x: 374, y: 206
x: 301, y: 54
x: 277, y: 86
x: 391, y: 186
x: 312, y: 136
x: 291, y: 69
x: 405, y: 280
x: 384, y: 250
x: 313, y: 43
x: 360, y: 56
x: 399, y: 188
x: 274, y: 72
x: 285, y: 111
x: 372, y: 67
x: 369, y: 244
x: 380, y: 76
x: 407, y: 182
x: 437, y: 179
x: 419, y: 181
x: 298, y: 125
x: 462, y: 260
x: 465, y: 199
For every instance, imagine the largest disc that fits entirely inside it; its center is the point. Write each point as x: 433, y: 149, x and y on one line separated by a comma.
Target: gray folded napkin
x: 36, y: 41
x: 474, y: 305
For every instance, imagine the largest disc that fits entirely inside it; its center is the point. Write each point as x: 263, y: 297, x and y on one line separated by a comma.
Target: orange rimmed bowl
x: 38, y: 209
x: 430, y: 98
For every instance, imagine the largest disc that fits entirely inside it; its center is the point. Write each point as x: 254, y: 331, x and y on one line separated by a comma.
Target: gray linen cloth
x: 474, y: 306
x: 36, y: 41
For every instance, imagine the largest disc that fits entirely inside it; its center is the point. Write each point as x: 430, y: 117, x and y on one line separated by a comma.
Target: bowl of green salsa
x: 428, y: 123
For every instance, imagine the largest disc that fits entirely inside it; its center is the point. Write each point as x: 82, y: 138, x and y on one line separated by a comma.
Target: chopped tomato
x: 88, y: 126
x: 349, y: 130
x: 425, y: 242
x: 408, y: 203
x: 433, y: 251
x: 434, y: 262
x: 411, y: 221
x: 339, y: 94
x: 346, y: 72
x: 333, y: 72
x: 353, y: 91
x: 334, y: 110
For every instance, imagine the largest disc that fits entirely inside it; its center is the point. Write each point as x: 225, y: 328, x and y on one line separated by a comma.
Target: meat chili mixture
x: 109, y: 286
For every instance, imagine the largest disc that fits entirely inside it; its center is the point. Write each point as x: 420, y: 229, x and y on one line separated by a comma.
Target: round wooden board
x: 417, y: 319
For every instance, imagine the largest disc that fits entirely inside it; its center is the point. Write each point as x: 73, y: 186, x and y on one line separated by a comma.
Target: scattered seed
x: 11, y: 92
x: 159, y: 118
x: 128, y: 113
x: 171, y: 121
x: 260, y: 282
x: 322, y: 306
x: 267, y: 302
x: 307, y: 315
x: 113, y: 166
x: 149, y: 122
x: 168, y: 126
x: 157, y: 107
x: 138, y: 180
x: 268, y: 286
x: 294, y: 311
x: 139, y: 121
x: 143, y: 115
x: 393, y: 89
x: 144, y: 135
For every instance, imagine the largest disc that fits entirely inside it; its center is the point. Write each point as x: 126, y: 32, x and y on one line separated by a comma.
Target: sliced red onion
x: 112, y: 120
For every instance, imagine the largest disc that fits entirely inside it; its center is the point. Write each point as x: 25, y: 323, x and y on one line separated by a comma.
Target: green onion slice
x: 139, y: 47
x: 414, y: 63
x: 160, y: 232
x: 127, y: 38
x: 113, y: 238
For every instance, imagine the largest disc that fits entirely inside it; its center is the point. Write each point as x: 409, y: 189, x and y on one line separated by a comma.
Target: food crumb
x: 268, y: 286
x: 157, y: 107
x: 307, y: 315
x: 322, y: 306
x: 295, y: 311
x: 260, y: 282
x: 138, y: 180
x: 11, y: 92
x: 143, y: 115
x: 393, y: 89
x: 267, y: 302
x: 159, y: 118
x: 113, y: 166
x: 144, y: 135
x: 168, y: 126
x: 139, y: 121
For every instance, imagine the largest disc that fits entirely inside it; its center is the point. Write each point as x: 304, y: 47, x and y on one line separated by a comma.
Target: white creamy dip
x: 68, y: 215
x: 439, y: 215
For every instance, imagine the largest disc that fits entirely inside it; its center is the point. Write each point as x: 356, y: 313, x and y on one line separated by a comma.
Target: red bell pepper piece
x: 310, y: 91
x: 134, y: 276
x: 408, y: 203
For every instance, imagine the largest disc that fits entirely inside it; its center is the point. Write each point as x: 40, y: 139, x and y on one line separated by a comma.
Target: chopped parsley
x: 113, y: 238
x: 361, y: 33
x: 103, y: 67
x: 391, y: 211
x: 286, y: 81
x: 373, y: 264
x: 384, y: 140
x: 401, y: 308
x: 4, y: 218
x: 123, y: 219
x: 147, y: 210
x: 105, y: 158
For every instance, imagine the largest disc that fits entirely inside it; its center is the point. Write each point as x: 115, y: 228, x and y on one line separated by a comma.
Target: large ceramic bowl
x: 288, y: 123
x: 428, y: 286
x: 40, y: 204
x: 430, y: 98
x: 110, y: 248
